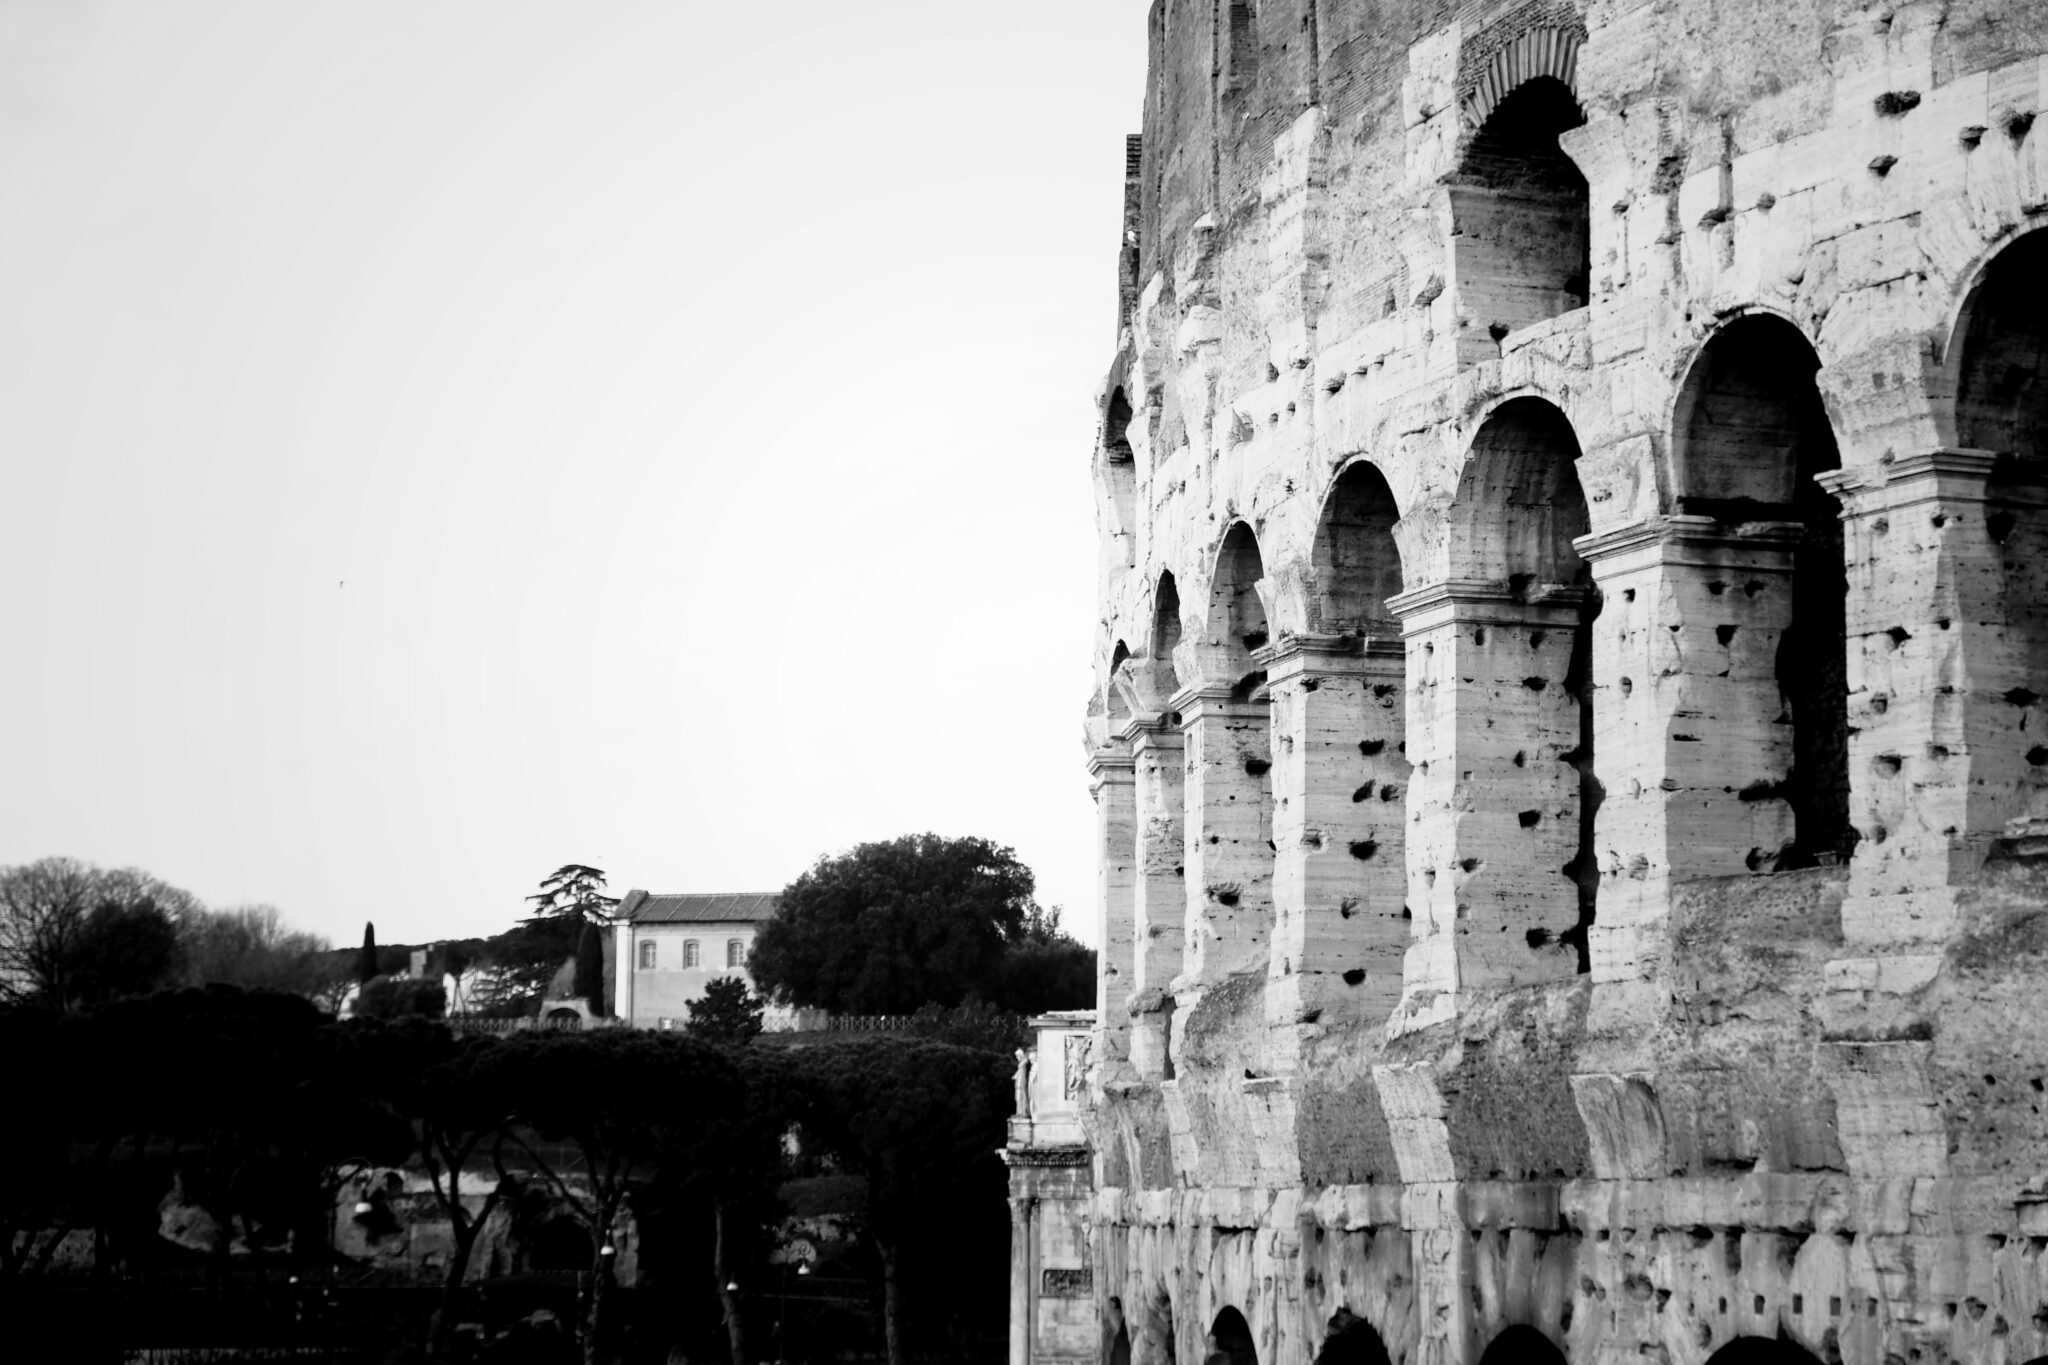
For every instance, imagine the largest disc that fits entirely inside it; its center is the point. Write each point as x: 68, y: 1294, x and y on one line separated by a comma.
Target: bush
x: 400, y: 997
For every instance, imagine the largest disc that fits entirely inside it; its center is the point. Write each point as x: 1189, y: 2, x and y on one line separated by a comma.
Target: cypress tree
x: 589, y: 982
x: 366, y: 960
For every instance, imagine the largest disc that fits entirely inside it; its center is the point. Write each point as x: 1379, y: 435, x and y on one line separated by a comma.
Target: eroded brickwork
x: 1573, y: 687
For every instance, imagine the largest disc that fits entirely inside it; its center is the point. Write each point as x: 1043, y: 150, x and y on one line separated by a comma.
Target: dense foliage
x: 699, y: 1137
x: 890, y: 927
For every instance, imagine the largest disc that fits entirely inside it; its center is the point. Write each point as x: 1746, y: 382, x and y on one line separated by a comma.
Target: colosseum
x: 1571, y: 734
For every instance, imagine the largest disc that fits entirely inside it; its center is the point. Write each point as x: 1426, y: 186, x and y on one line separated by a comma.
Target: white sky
x: 693, y: 398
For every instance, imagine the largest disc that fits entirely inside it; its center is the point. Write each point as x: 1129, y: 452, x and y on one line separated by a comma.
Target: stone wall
x: 1570, y: 684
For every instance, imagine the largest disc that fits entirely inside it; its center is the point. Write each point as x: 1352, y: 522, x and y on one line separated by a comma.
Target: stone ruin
x: 1571, y: 734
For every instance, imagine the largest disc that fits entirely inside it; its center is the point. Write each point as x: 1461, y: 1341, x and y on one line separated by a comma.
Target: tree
x: 889, y: 927
x: 726, y: 1013
x: 922, y: 1120
x: 123, y: 949
x: 589, y: 984
x: 398, y: 997
x: 366, y: 959
x: 620, y: 1098
x: 251, y: 947
x: 573, y: 891
x: 44, y: 909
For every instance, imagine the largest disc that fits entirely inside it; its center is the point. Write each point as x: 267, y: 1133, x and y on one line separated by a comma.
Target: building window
x: 693, y: 955
x: 647, y: 955
x: 735, y: 953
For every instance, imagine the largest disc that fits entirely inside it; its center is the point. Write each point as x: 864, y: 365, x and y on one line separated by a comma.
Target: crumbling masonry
x: 1571, y: 739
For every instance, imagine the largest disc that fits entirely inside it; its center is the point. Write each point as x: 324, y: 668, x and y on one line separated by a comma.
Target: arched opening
x: 1237, y: 618
x: 1154, y: 1344
x: 1520, y: 1345
x: 563, y: 1019
x: 1230, y: 1340
x: 1116, y: 425
x: 1518, y: 509
x: 1117, y: 1350
x: 1117, y: 709
x: 1339, y: 717
x: 1750, y: 437
x: 1229, y: 784
x: 2001, y: 358
x: 1352, y: 1341
x: 1520, y: 225
x: 1762, y: 1351
x: 560, y: 1245
x: 1166, y: 627
x: 1357, y: 566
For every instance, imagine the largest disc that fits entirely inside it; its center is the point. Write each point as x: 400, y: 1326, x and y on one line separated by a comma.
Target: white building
x: 667, y: 950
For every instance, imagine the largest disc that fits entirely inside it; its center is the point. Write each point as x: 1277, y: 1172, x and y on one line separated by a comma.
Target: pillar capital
x: 1952, y: 472
x: 1482, y: 601
x: 1112, y: 763
x: 1305, y: 655
x: 1685, y: 541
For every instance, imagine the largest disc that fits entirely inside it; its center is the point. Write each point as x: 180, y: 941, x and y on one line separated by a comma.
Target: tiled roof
x: 641, y: 907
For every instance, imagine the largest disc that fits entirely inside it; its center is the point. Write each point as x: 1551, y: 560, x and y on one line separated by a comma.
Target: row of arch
x: 1751, y: 439
x: 1351, y: 1340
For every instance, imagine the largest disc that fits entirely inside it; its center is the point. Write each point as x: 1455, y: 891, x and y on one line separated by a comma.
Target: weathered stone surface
x: 1574, y: 606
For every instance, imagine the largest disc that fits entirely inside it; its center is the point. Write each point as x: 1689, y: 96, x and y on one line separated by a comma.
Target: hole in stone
x: 1468, y: 864
x: 1390, y: 792
x: 1354, y: 977
x: 1372, y: 747
x: 1887, y: 765
x: 2037, y: 755
x: 1535, y: 684
x: 1364, y: 849
x: 1520, y: 759
x: 1362, y: 793
x: 2020, y: 696
x: 1538, y: 938
x: 1348, y: 906
x: 1257, y: 767
x: 1627, y: 686
x: 1898, y: 635
x: 1717, y: 588
x: 1530, y: 818
x: 1479, y: 635
x: 1628, y: 594
x: 1724, y: 633
x: 1537, y: 637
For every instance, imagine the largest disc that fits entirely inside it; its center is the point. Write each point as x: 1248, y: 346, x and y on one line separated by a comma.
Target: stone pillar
x: 1229, y: 840
x: 1690, y: 733
x: 1159, y: 896
x: 1022, y: 1308
x: 1946, y: 716
x: 1112, y: 779
x: 1340, y: 786
x: 1493, y: 803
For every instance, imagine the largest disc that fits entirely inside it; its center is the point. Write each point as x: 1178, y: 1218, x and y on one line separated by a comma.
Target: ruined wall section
x: 1785, y: 1102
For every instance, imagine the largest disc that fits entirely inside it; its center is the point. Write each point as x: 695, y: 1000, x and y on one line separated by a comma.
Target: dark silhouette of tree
x: 573, y: 891
x: 889, y: 927
x: 44, y: 910
x: 726, y: 1013
x: 1037, y: 977
x: 398, y: 997
x: 123, y: 949
x: 922, y: 1121
x: 250, y: 946
x: 366, y: 960
x: 589, y: 984
x: 619, y: 1099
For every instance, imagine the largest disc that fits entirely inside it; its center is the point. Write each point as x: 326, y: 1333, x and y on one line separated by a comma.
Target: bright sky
x: 441, y: 441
